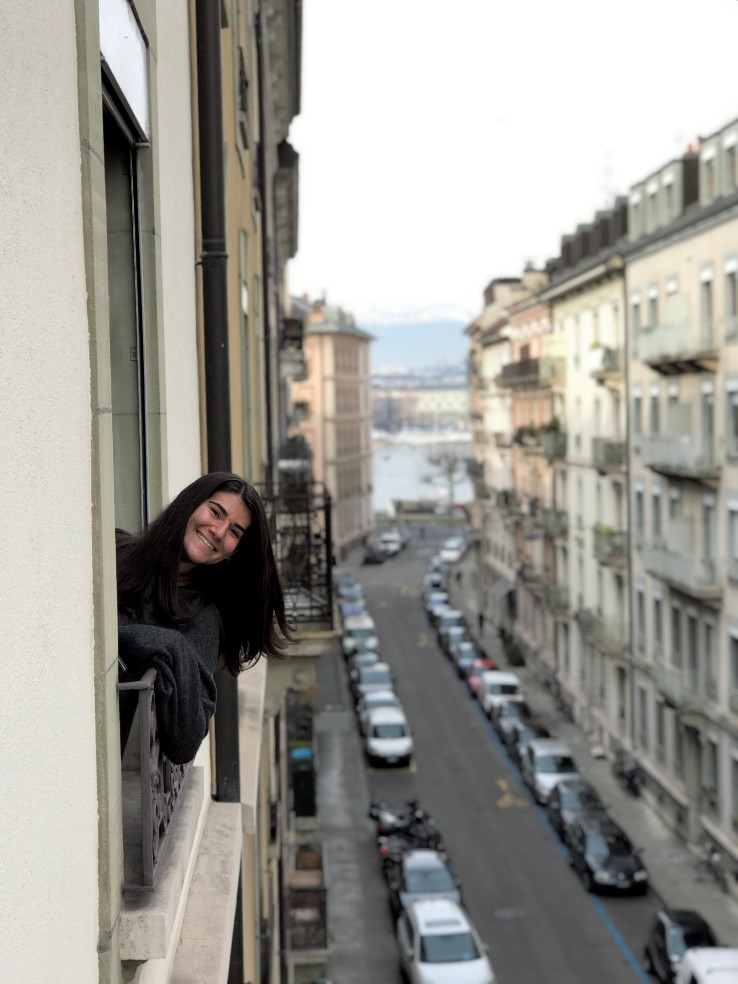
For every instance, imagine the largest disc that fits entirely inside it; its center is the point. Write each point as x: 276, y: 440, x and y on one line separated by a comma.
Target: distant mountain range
x: 416, y: 345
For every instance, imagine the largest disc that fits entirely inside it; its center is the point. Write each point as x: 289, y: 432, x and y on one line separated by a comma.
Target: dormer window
x: 731, y: 162
x: 709, y: 184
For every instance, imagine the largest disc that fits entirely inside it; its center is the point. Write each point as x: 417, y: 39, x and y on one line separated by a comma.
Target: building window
x: 653, y: 307
x: 658, y: 629
x: 655, y: 414
x: 678, y: 748
x: 637, y: 416
x: 676, y: 636
x: 733, y: 539
x: 709, y: 177
x: 731, y: 298
x: 731, y: 161
x: 639, y: 516
x: 643, y: 717
x: 660, y: 728
x: 635, y: 313
x: 641, y: 617
x: 706, y: 305
x: 656, y: 516
x: 692, y: 654
x: 710, y: 668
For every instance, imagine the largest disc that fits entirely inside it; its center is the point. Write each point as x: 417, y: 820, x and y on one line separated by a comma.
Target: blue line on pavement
x: 610, y: 926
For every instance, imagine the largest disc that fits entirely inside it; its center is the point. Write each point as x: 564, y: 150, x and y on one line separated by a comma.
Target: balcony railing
x: 152, y: 787
x: 608, y: 635
x: 611, y: 364
x: 503, y: 439
x: 524, y: 372
x: 307, y: 903
x: 693, y: 575
x: 554, y: 444
x: 608, y: 455
x: 554, y: 522
x: 299, y: 515
x: 506, y: 500
x: 609, y: 545
x: 556, y: 597
x: 680, y: 454
x: 670, y: 681
x: 682, y: 341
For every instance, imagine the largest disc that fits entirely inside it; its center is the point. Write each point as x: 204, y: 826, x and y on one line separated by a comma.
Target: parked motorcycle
x: 392, y: 847
x: 627, y: 772
x: 389, y: 819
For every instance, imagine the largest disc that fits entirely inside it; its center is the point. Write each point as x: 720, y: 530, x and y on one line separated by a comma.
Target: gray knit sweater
x: 185, y: 659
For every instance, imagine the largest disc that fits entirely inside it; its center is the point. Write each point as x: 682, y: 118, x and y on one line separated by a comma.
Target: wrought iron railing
x: 148, y: 821
x: 307, y: 911
x: 299, y: 516
x: 554, y: 444
x: 524, y: 371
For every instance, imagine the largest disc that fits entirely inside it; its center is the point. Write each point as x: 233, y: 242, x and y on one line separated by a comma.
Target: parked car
x: 445, y: 618
x: 475, y: 672
x: 437, y: 563
x: 569, y: 799
x: 359, y: 630
x: 348, y: 608
x: 497, y: 686
x: 388, y: 740
x: 522, y: 733
x: 392, y: 542
x: 504, y: 716
x: 434, y: 599
x: 461, y: 650
x: 450, y: 635
x: 672, y: 933
x: 378, y: 676
x: 359, y: 660
x: 342, y: 577
x: 464, y: 655
x: 602, y: 855
x: 709, y: 965
x: 371, y: 702
x: 374, y: 555
x: 433, y: 579
x: 420, y: 874
x: 544, y: 763
x: 453, y: 549
x: 350, y: 592
x: 438, y: 945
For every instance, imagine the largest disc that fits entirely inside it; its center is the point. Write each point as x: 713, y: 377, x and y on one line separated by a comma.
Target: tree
x: 450, y: 465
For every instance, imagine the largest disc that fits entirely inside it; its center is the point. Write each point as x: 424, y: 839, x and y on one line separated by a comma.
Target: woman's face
x: 214, y: 530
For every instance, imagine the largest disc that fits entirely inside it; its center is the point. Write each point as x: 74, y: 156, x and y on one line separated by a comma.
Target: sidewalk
x: 674, y: 874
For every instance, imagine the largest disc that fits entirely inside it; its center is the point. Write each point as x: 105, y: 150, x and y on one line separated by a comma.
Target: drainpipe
x: 213, y: 261
x: 265, y: 257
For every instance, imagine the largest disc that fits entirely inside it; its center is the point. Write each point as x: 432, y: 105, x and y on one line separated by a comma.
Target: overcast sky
x: 446, y: 143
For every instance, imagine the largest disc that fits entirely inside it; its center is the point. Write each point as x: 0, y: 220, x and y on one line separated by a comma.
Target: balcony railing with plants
x: 678, y: 565
x: 609, y: 545
x: 554, y: 441
x: 524, y: 372
x: 608, y: 455
x: 554, y: 522
x: 307, y: 901
x: 608, y: 362
x: 556, y: 597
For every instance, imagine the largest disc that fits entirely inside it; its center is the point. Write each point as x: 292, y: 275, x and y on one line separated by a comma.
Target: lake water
x: 401, y: 470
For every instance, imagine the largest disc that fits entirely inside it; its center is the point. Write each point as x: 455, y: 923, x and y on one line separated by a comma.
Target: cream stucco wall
x: 48, y: 851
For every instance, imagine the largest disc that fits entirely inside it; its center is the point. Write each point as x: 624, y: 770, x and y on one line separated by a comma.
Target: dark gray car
x: 568, y: 800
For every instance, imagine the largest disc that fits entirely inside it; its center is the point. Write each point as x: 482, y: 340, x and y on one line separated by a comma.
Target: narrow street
x: 528, y: 906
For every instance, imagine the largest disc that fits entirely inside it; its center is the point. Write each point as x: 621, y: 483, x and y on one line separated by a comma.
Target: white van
x: 359, y: 631
x: 498, y: 686
x: 709, y: 965
x: 388, y: 740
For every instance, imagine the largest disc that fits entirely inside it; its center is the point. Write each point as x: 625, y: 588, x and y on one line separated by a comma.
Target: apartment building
x: 334, y: 406
x: 125, y: 378
x: 586, y: 296
x: 682, y: 293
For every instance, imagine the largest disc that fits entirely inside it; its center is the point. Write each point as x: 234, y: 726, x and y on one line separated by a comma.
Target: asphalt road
x: 527, y: 904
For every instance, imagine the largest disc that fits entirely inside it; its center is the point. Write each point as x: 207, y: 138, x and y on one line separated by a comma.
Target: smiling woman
x: 199, y: 584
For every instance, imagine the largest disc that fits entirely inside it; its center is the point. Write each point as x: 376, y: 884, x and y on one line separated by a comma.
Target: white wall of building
x: 48, y: 851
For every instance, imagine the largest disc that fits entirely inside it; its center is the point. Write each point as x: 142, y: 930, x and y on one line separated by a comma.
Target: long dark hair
x: 246, y: 588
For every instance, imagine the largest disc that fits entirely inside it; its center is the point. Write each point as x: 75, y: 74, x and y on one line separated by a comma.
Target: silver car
x: 439, y: 945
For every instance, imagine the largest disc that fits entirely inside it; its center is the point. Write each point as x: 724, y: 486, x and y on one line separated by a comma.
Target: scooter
x: 627, y: 772
x: 390, y: 819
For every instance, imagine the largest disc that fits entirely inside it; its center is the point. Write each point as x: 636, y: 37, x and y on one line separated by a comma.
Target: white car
x: 544, y: 763
x: 709, y: 965
x: 439, y: 945
x: 391, y: 542
x: 359, y: 631
x: 378, y: 676
x: 498, y: 686
x: 453, y: 549
x: 388, y: 740
x: 371, y: 702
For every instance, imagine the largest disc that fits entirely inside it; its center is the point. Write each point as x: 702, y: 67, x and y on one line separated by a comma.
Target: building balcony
x: 524, y: 372
x: 609, y: 546
x: 556, y: 597
x: 606, y: 634
x: 681, y: 456
x: 682, y: 344
x: 608, y: 456
x: 299, y: 515
x: 671, y: 681
x: 554, y: 444
x: 531, y: 574
x: 502, y: 439
x: 690, y: 574
x: 507, y: 501
x: 306, y: 903
x: 609, y: 366
x: 554, y: 522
